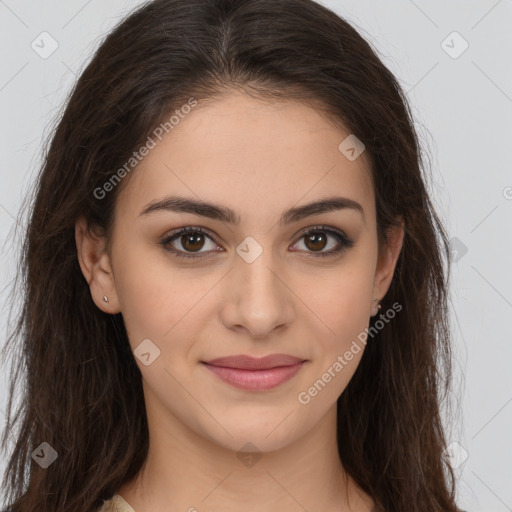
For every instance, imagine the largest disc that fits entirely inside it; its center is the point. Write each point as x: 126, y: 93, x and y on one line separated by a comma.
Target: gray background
x: 463, y: 108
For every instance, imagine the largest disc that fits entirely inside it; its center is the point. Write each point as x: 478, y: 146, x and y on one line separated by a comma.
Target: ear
x: 386, y: 263
x: 96, y: 266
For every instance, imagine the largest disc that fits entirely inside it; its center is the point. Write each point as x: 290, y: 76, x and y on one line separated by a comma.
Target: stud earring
x: 105, y: 299
x: 377, y: 308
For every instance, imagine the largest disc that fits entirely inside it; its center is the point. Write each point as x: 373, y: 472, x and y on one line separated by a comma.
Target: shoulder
x: 116, y: 504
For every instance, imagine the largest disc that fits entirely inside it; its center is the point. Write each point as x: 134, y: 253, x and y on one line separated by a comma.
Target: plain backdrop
x: 454, y: 61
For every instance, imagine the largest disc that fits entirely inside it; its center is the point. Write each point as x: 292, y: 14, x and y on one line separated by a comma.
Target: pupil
x: 194, y: 237
x: 315, y: 241
x: 316, y: 238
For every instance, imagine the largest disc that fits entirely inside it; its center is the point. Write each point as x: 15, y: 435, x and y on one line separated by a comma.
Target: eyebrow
x: 218, y: 212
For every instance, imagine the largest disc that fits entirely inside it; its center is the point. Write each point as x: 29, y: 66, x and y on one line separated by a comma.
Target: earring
x: 378, y: 307
x: 105, y: 299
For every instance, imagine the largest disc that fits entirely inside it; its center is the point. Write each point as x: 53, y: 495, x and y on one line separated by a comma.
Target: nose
x: 257, y: 299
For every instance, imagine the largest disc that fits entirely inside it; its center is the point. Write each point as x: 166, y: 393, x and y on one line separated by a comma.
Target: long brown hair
x: 82, y: 390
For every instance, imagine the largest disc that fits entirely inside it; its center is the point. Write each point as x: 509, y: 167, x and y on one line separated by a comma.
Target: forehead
x: 256, y: 156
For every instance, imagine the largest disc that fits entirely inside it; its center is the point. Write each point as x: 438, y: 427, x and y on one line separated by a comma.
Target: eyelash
x: 344, y: 241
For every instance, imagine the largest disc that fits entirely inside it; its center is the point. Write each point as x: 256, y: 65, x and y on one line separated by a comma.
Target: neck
x: 186, y: 471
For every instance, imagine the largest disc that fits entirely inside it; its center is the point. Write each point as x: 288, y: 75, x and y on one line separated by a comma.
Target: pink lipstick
x: 255, y: 374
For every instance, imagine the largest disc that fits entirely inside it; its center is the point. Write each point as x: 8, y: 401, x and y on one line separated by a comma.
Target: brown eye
x: 186, y: 242
x: 316, y: 241
x: 192, y: 241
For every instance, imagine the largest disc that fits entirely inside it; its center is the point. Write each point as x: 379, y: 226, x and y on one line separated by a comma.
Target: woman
x: 235, y: 279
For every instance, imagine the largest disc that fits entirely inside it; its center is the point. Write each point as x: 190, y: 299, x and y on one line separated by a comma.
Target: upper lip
x: 244, y: 362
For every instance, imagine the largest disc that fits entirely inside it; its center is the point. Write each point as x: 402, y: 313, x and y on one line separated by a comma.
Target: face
x: 271, y: 278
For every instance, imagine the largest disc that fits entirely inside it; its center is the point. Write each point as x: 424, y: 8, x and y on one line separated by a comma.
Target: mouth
x: 255, y: 374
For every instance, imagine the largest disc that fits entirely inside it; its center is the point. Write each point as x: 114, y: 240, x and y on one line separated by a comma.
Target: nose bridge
x: 260, y: 299
x: 259, y: 283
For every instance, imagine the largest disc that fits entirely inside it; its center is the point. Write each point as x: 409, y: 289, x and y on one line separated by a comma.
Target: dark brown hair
x: 82, y: 390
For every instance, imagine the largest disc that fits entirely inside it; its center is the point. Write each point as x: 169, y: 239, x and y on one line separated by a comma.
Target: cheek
x: 153, y: 297
x: 339, y: 312
x: 163, y: 303
x: 340, y: 300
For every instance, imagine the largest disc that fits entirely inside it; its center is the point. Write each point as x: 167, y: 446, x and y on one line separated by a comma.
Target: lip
x: 244, y: 362
x: 254, y: 374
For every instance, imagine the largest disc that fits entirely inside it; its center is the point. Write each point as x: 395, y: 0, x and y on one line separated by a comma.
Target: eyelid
x: 175, y: 234
x: 344, y: 241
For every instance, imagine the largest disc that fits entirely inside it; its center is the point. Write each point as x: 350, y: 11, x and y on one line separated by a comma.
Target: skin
x: 258, y: 158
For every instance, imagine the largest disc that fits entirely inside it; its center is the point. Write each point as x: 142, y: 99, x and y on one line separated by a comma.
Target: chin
x: 254, y: 438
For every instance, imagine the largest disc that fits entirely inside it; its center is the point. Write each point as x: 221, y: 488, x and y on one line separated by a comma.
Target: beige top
x: 116, y: 504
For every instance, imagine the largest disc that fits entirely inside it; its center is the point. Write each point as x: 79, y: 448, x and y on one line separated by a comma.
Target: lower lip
x: 255, y: 380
